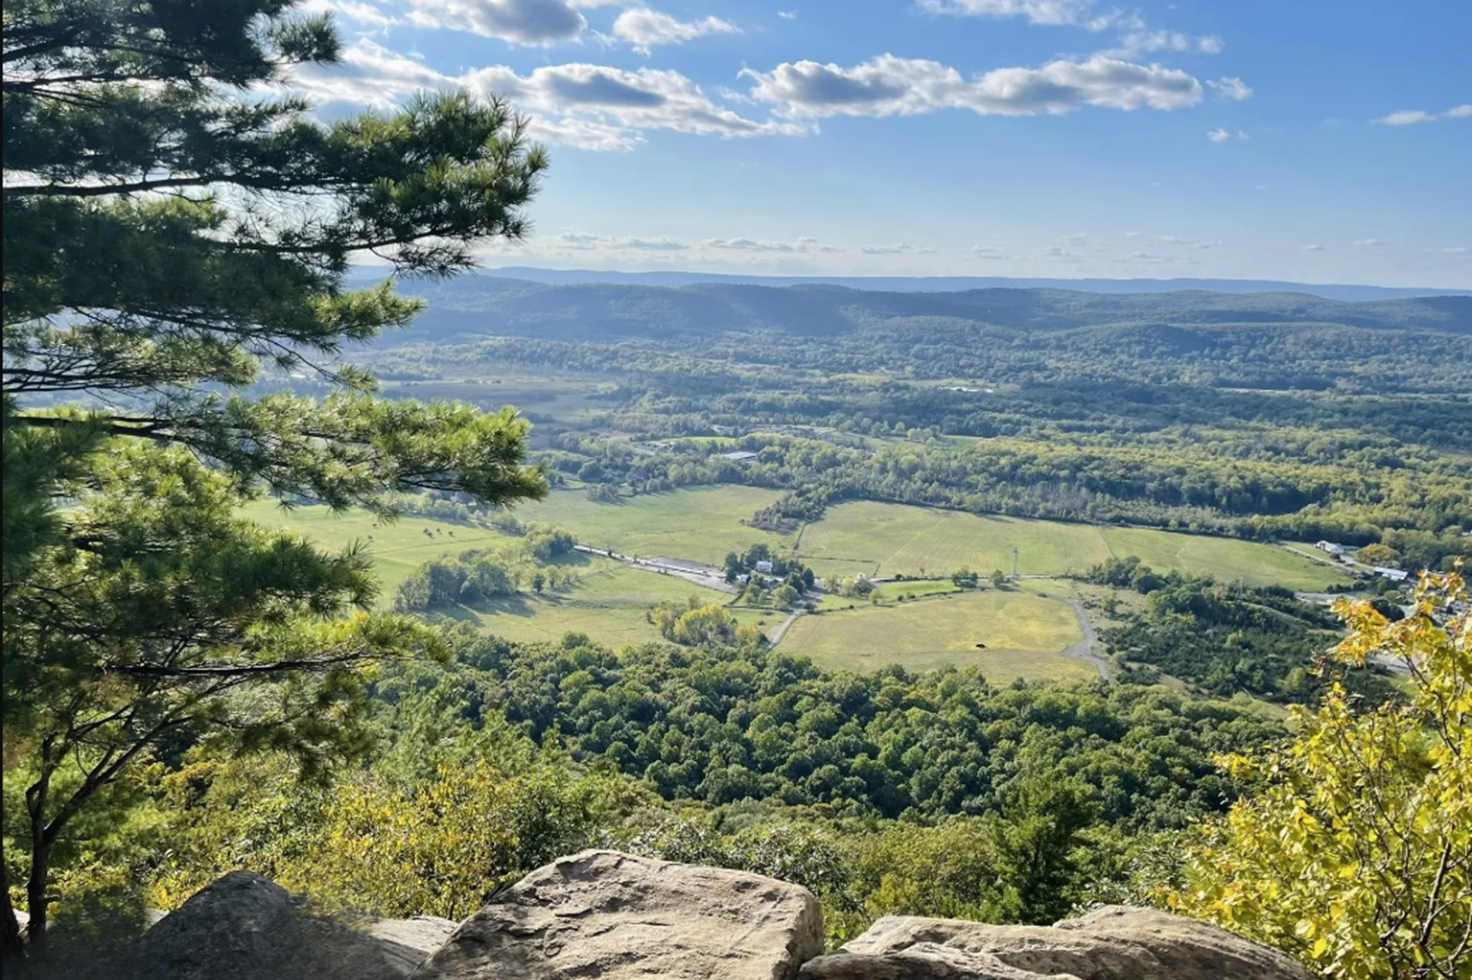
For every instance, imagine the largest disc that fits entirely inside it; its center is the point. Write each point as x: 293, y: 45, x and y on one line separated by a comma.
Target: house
x: 765, y: 567
x: 1394, y: 574
x: 1332, y: 548
x: 739, y: 456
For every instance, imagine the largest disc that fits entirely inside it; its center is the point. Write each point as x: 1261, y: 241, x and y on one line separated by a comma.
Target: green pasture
x: 397, y: 548
x: 889, y: 539
x: 609, y: 605
x: 1024, y: 634
x: 701, y: 524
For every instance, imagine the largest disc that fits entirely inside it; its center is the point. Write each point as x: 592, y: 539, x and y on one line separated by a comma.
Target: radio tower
x: 1016, y: 564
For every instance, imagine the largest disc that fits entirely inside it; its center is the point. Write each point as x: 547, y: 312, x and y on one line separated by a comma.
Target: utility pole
x: 1016, y: 564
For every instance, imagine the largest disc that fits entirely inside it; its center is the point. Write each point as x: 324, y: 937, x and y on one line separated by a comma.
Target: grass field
x: 1023, y: 630
x: 1023, y: 634
x: 397, y: 548
x: 888, y: 539
x: 698, y: 525
x: 608, y: 605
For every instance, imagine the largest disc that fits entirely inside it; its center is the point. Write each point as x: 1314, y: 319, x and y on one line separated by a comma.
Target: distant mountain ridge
x: 486, y: 305
x: 1346, y: 292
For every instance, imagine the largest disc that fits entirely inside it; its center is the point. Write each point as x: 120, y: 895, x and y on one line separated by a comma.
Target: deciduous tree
x: 1357, y: 852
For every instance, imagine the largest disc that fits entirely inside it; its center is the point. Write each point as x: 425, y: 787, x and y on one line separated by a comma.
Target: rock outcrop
x: 245, y: 927
x: 614, y: 916
x: 618, y: 917
x: 1112, y: 943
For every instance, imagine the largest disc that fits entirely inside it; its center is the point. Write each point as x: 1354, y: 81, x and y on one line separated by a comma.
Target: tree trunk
x: 36, y: 900
x: 14, y: 949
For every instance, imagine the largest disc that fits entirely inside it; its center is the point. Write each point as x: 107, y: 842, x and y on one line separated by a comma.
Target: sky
x: 1260, y: 139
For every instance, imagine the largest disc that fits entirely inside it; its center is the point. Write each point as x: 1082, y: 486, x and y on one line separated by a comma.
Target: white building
x: 1332, y: 548
x: 765, y: 567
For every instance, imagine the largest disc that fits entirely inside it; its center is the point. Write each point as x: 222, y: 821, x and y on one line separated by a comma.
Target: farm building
x: 1394, y: 574
x: 1332, y: 548
x: 765, y: 567
x: 739, y: 456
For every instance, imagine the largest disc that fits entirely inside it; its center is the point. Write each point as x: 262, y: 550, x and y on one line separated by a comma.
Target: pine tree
x: 178, y: 228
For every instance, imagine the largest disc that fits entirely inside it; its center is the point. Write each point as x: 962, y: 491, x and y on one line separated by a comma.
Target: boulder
x: 1111, y: 943
x: 615, y: 916
x: 922, y: 961
x: 245, y: 927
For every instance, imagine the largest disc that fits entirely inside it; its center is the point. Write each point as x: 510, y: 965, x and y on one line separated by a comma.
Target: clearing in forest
x: 899, y: 539
x: 1024, y: 635
x: 700, y: 524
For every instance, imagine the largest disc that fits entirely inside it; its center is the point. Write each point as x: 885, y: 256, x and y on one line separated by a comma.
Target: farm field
x: 1024, y: 634
x: 397, y: 548
x: 889, y: 539
x: 701, y: 524
x: 609, y: 605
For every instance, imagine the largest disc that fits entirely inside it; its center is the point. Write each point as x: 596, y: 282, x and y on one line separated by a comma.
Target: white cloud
x: 749, y: 245
x: 353, y: 11
x: 1218, y: 135
x: 582, y: 241
x: 988, y: 252
x: 787, y: 14
x: 896, y: 249
x: 1312, y: 248
x: 644, y: 28
x: 1407, y: 118
x: 888, y: 86
x: 1048, y: 12
x: 1136, y: 42
x: 1057, y: 253
x: 1370, y: 243
x: 535, y: 22
x: 593, y: 107
x: 1413, y: 117
x: 1230, y: 89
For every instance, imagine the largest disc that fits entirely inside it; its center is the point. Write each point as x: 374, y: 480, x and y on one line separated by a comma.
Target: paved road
x: 1087, y: 649
x: 705, y: 575
x: 781, y: 629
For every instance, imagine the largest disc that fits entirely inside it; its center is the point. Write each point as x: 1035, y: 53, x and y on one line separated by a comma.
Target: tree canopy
x: 1356, y: 853
x: 178, y: 228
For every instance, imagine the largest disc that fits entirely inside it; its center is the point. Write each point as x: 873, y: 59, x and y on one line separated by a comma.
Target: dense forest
x: 1263, y: 416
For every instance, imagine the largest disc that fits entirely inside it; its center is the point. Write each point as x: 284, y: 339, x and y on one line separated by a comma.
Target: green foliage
x: 444, y: 845
x: 1226, y: 638
x: 1356, y: 851
x: 157, y: 262
x: 724, y: 725
x: 445, y: 583
x: 693, y: 623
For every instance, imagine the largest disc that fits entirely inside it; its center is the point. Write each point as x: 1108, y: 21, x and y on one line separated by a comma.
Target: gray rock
x: 245, y: 927
x: 615, y: 916
x: 1112, y: 943
x: 922, y: 961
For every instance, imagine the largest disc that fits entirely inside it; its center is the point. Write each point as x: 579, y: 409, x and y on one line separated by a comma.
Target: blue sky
x: 1284, y: 139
